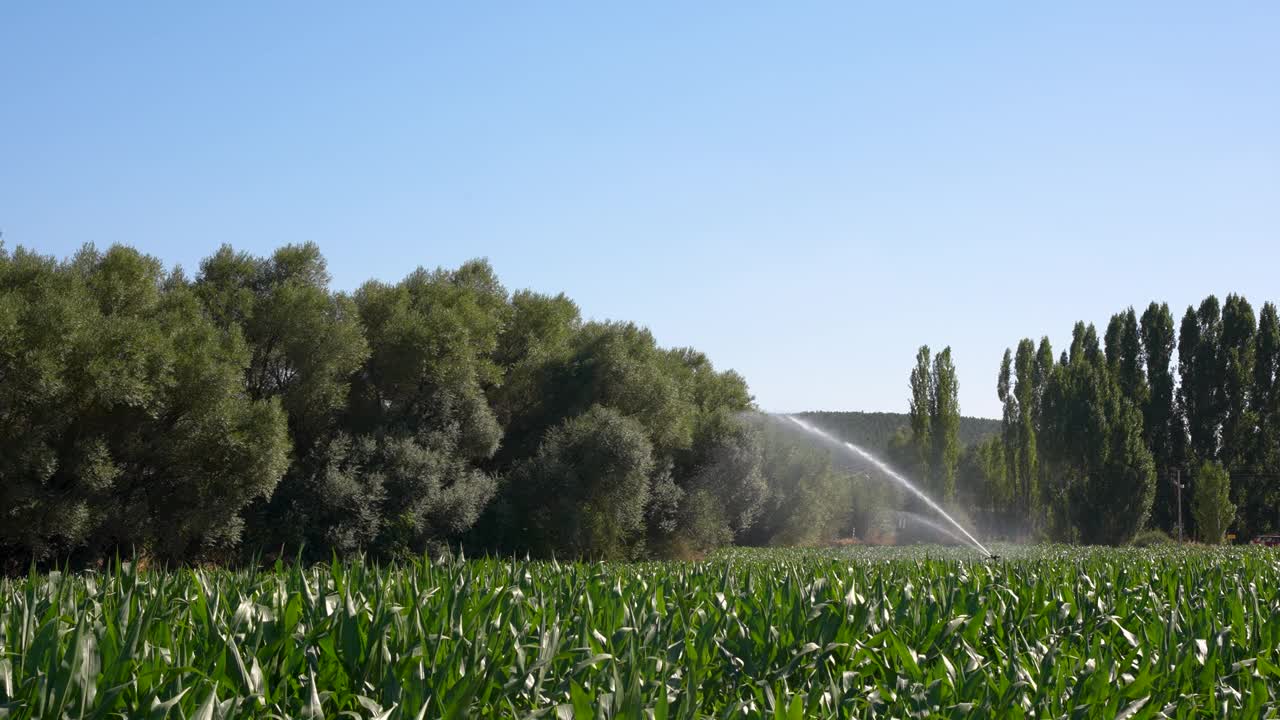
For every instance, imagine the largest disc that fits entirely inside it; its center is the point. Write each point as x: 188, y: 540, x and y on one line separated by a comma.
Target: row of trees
x: 251, y: 407
x: 1095, y: 442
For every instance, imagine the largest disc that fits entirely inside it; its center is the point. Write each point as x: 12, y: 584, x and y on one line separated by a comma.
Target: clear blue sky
x: 805, y: 191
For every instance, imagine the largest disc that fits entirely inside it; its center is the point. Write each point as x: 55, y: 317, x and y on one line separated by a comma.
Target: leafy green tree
x: 1071, y: 434
x: 1011, y: 427
x: 1042, y: 372
x: 1266, y: 402
x: 212, y: 451
x: 1020, y: 387
x: 934, y: 441
x: 808, y: 501
x: 728, y: 470
x: 44, y: 314
x: 921, y: 413
x: 983, y: 478
x: 1160, y: 420
x: 1211, y: 502
x: 686, y: 409
x: 699, y: 524
x: 706, y: 460
x: 1200, y: 367
x: 131, y: 427
x: 1128, y: 479
x: 1239, y: 330
x: 1241, y: 453
x: 714, y: 480
x: 585, y: 492
x: 1084, y: 343
x: 1025, y: 392
x: 533, y: 349
x: 900, y: 451
x: 1124, y: 357
x: 306, y: 343
x: 538, y: 337
x: 421, y: 401
x: 618, y: 365
x: 944, y: 419
x: 1094, y: 433
x: 1042, y: 482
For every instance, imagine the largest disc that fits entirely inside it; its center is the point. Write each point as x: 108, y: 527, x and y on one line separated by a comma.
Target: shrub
x: 1150, y: 537
x: 585, y: 492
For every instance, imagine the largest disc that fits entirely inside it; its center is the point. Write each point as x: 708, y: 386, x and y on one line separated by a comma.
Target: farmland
x: 859, y: 632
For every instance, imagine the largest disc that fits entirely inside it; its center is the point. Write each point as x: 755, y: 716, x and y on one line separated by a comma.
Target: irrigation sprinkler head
x: 993, y: 558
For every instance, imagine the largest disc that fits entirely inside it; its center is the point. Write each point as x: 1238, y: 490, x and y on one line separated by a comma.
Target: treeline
x: 1096, y: 440
x: 251, y: 409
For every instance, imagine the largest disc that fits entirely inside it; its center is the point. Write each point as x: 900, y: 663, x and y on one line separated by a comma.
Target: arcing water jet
x: 893, y: 474
x: 936, y: 527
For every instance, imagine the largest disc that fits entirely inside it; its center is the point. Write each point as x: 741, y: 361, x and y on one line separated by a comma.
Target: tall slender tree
x: 1240, y: 449
x: 1048, y: 496
x: 1239, y: 446
x: 1266, y: 387
x: 1200, y: 370
x: 1115, y: 327
x: 921, y: 407
x: 945, y: 422
x: 1020, y: 388
x: 1043, y: 371
x: 1124, y: 356
x: 1159, y: 413
x: 1009, y: 432
x: 1093, y: 432
x: 1266, y: 409
x: 1025, y: 392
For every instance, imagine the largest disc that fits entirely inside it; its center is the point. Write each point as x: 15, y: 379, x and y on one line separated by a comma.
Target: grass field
x: 858, y: 632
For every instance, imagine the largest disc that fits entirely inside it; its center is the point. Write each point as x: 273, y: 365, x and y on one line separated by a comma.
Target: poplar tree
x: 1266, y: 409
x: 1043, y: 371
x: 921, y: 408
x: 1009, y: 432
x: 1200, y: 371
x: 1236, y: 356
x: 1093, y: 432
x: 1241, y: 449
x: 1124, y: 356
x: 1163, y: 431
x: 945, y: 425
x: 1025, y: 391
x: 1266, y: 389
x: 1020, y: 387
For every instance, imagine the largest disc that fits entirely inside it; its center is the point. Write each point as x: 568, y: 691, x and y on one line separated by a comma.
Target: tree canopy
x: 1117, y: 427
x: 254, y: 408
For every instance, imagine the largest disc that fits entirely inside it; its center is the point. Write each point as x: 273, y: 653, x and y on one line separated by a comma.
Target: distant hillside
x: 872, y: 430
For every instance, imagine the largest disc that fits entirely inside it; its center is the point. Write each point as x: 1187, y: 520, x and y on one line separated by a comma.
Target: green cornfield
x: 849, y: 633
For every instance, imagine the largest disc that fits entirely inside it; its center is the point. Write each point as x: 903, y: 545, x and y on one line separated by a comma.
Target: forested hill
x: 873, y: 430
